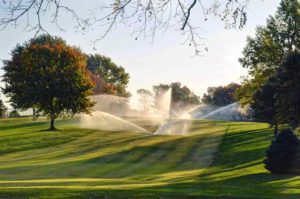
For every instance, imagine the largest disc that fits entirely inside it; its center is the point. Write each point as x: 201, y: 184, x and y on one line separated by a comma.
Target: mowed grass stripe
x: 237, y: 170
x: 112, y: 158
x: 175, y: 155
x: 66, y: 151
x: 201, y: 153
x: 152, y: 156
x: 133, y: 158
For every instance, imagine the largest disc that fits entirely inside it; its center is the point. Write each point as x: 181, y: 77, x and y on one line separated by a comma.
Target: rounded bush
x: 14, y: 113
x: 282, y: 152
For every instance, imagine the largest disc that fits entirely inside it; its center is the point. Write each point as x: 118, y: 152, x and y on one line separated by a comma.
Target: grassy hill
x: 218, y: 159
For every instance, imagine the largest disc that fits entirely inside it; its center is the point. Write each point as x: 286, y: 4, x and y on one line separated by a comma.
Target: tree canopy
x: 221, y: 95
x: 108, y: 77
x: 272, y: 43
x: 263, y: 104
x: 288, y: 91
x: 278, y: 100
x: 50, y: 75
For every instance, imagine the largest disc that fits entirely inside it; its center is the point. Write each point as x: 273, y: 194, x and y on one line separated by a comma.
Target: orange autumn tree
x: 109, y: 78
x: 49, y: 75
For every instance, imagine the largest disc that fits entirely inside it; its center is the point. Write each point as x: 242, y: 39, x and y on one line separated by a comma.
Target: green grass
x: 218, y: 160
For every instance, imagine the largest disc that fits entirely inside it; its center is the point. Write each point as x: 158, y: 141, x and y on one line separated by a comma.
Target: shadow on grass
x: 242, y: 147
x: 23, y: 125
x: 239, y: 151
x: 233, y: 188
x: 39, y: 139
x: 245, y: 186
x: 154, y: 159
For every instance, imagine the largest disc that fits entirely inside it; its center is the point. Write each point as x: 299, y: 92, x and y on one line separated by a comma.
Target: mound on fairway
x: 86, y: 163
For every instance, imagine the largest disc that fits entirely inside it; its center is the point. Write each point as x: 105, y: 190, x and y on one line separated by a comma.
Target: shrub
x: 14, y: 113
x: 282, y: 152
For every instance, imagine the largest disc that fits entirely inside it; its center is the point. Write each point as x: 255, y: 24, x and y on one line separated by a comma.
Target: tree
x: 272, y: 43
x: 248, y: 87
x: 263, y: 104
x: 207, y: 98
x: 181, y: 95
x: 50, y: 75
x: 277, y: 101
x: 108, y: 77
x: 221, y: 95
x: 146, y: 98
x: 282, y: 152
x: 144, y: 18
x: 288, y: 95
x: 3, y: 109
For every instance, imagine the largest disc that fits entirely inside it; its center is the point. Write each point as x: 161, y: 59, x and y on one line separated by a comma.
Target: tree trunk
x: 52, y: 127
x: 33, y: 114
x: 275, y: 130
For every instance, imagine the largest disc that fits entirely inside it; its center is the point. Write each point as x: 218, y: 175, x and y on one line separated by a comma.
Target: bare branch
x: 187, y: 16
x: 144, y: 17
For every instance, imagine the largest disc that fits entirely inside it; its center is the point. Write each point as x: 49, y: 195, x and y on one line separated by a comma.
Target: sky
x: 166, y: 59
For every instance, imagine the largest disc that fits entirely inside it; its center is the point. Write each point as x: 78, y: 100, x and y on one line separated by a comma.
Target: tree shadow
x: 23, y: 125
x: 152, y: 159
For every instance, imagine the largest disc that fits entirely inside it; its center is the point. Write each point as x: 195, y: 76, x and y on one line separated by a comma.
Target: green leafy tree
x: 265, y: 52
x: 108, y: 77
x: 278, y: 100
x: 183, y: 94
x: 288, y: 95
x: 282, y: 152
x: 49, y: 75
x: 263, y: 104
x: 221, y: 95
x: 207, y: 97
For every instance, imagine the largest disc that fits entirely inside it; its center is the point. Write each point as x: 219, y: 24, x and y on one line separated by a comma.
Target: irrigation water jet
x: 231, y: 112
x: 108, y: 122
x: 174, y: 127
x: 220, y: 110
x: 177, y: 126
x: 164, y: 103
x: 110, y: 111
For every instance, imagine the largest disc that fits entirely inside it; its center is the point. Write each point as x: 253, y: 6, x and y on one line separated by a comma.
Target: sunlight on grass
x: 216, y: 159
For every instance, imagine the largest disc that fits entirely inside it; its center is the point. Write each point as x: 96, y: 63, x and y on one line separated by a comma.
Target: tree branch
x: 143, y: 17
x: 188, y: 14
